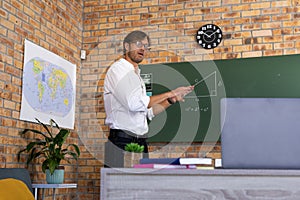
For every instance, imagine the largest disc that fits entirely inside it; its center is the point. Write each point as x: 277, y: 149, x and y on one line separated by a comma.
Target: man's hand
x: 179, y: 93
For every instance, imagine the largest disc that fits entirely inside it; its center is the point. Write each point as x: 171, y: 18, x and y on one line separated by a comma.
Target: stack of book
x: 175, y: 163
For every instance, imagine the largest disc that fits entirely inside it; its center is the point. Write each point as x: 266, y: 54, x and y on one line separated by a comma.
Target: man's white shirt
x: 125, y: 99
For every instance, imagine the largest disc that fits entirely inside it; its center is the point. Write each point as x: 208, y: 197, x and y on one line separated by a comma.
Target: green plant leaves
x: 134, y: 147
x: 61, y: 137
x: 50, y: 148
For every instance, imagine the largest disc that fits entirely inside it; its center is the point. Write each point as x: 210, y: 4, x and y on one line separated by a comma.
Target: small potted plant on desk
x: 51, y: 149
x: 132, y: 155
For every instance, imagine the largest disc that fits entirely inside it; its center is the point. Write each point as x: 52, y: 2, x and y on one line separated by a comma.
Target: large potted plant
x: 52, y: 149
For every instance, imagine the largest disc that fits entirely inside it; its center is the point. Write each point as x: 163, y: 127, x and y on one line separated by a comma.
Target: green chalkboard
x: 198, y: 118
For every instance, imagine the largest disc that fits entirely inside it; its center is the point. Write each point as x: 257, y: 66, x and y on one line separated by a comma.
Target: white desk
x: 178, y: 184
x: 50, y: 186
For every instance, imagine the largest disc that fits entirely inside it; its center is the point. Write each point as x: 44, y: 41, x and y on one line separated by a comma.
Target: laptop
x: 260, y: 133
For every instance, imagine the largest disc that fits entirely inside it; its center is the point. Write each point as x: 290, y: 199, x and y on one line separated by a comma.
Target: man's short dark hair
x: 133, y: 37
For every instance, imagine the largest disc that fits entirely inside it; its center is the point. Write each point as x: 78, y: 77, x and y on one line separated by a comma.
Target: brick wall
x: 251, y: 28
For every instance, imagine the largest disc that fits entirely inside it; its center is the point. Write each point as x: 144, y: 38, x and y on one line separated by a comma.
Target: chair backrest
x: 17, y: 173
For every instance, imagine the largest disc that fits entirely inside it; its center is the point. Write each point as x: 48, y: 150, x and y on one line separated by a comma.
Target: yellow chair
x: 15, y: 181
x: 13, y: 189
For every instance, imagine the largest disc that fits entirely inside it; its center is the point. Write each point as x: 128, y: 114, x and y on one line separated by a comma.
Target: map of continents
x: 47, y: 87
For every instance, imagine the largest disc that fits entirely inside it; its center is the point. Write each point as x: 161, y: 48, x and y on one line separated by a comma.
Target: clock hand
x: 201, y: 32
x: 213, y: 33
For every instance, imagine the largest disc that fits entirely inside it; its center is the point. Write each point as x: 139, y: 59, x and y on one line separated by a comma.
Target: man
x: 126, y: 104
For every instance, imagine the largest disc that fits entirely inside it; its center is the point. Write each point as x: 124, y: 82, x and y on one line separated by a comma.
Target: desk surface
x: 243, y: 172
x: 123, y: 183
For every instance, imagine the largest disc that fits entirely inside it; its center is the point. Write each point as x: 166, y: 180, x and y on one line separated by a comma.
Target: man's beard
x: 135, y: 57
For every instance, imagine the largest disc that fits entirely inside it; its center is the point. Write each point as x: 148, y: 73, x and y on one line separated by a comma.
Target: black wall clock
x: 209, y: 36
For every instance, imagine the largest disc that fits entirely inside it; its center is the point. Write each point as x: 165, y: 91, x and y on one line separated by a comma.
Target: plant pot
x: 57, y: 177
x: 130, y: 159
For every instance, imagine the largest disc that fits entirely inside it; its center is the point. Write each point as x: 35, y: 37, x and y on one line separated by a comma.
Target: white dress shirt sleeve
x: 150, y: 114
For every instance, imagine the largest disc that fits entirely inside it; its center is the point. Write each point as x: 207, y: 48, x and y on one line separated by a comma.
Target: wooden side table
x: 50, y: 186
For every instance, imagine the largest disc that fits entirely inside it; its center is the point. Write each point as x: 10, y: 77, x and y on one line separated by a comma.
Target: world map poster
x: 48, y: 88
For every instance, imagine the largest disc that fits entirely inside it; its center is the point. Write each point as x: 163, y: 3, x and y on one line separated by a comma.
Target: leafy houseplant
x: 134, y: 147
x: 50, y: 147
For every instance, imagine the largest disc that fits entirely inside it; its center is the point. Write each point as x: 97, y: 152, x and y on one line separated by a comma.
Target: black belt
x: 125, y: 134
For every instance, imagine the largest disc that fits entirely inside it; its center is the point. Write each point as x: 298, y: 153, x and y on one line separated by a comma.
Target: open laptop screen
x: 260, y: 133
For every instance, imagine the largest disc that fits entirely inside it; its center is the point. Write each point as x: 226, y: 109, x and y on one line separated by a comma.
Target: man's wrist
x: 170, y: 94
x: 170, y: 101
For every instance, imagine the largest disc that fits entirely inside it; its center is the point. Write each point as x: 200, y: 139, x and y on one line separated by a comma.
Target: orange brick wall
x: 251, y: 28
x: 57, y: 26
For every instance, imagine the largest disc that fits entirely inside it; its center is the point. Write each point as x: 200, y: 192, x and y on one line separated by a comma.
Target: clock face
x: 209, y: 36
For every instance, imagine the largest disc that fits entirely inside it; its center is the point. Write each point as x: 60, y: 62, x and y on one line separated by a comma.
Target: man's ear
x: 126, y: 46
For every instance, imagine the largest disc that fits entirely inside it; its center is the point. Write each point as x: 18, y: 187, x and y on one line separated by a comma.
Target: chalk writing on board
x: 196, y: 109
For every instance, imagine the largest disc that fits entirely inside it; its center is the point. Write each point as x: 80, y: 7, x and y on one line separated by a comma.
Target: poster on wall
x: 48, y: 87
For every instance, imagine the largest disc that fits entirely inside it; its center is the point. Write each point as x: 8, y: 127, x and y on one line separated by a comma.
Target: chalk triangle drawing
x: 211, y: 83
